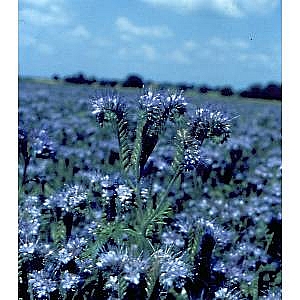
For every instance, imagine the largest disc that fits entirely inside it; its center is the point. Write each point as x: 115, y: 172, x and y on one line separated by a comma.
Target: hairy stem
x: 26, y: 164
x: 161, y: 202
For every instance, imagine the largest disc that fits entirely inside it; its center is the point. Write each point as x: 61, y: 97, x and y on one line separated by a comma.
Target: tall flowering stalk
x: 113, y: 109
x: 144, y: 215
x: 158, y: 109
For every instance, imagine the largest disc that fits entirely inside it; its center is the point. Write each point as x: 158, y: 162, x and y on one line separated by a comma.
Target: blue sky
x: 217, y: 42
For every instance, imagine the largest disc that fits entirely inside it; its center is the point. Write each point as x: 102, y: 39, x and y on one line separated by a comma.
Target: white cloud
x: 186, y: 5
x: 261, y: 6
x: 241, y: 44
x: 45, y: 49
x: 190, y: 45
x: 35, y: 2
x: 179, y: 57
x: 230, y: 44
x: 43, y: 12
x: 218, y: 42
x: 27, y: 41
x: 253, y: 58
x: 101, y: 42
x: 128, y: 29
x: 233, y: 8
x: 53, y: 16
x: 227, y: 7
x: 34, y: 43
x: 145, y: 52
x: 80, y: 32
x: 149, y: 52
x: 40, y: 2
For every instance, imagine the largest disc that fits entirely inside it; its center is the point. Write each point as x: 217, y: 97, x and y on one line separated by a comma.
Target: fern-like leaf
x: 156, y: 216
x: 193, y: 244
x: 122, y: 286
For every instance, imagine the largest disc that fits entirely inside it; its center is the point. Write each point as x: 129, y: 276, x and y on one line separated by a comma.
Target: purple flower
x: 106, y: 108
x: 173, y: 269
x: 69, y: 280
x: 41, y: 284
x: 207, y: 123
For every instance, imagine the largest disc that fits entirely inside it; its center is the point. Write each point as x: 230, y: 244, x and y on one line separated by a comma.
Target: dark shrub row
x: 131, y: 81
x: 270, y: 91
x: 80, y: 79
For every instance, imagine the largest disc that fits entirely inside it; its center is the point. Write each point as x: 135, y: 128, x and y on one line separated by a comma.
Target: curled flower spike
x: 189, y: 155
x: 173, y: 270
x: 69, y: 280
x: 210, y: 124
x: 41, y: 284
x: 119, y: 260
x: 112, y: 260
x: 175, y: 102
x: 133, y: 269
x: 162, y: 104
x: 150, y: 100
x: 106, y: 108
x: 193, y: 159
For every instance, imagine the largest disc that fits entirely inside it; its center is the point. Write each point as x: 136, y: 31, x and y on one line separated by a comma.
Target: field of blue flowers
x: 91, y: 228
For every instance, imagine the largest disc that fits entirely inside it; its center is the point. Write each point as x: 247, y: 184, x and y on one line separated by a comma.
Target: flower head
x: 41, y: 284
x: 162, y: 105
x: 228, y: 294
x: 193, y: 159
x: 189, y: 154
x: 69, y: 280
x: 112, y: 260
x: 106, y: 108
x: 208, y: 123
x: 133, y: 269
x: 173, y: 270
x: 119, y: 260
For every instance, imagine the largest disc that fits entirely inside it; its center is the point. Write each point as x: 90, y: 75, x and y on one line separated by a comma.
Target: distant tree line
x: 270, y: 91
x: 131, y: 81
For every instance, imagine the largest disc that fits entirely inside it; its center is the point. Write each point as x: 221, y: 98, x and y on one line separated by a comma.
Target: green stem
x: 26, y: 164
x: 140, y: 236
x: 139, y: 202
x: 161, y: 202
x: 164, y: 196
